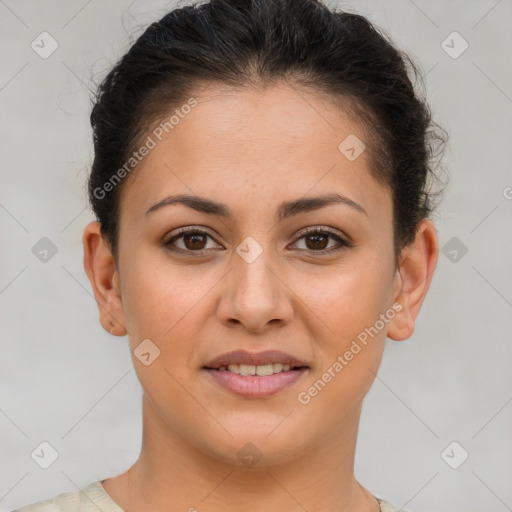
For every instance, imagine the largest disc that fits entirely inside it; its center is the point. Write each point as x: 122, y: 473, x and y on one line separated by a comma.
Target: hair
x: 240, y: 43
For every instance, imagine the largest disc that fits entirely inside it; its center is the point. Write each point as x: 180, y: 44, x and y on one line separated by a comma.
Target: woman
x: 261, y: 186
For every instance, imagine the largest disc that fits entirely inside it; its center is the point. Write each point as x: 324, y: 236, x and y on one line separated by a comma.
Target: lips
x: 243, y: 357
x: 255, y: 386
x: 256, y: 374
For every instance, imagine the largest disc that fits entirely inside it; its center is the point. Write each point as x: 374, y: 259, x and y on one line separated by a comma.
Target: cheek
x: 159, y: 297
x: 161, y: 303
x: 349, y: 298
x: 350, y: 341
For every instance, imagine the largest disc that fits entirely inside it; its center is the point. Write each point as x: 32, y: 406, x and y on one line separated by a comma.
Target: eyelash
x: 309, y: 232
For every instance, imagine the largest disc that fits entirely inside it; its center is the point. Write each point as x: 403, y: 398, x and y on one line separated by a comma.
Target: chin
x: 258, y: 442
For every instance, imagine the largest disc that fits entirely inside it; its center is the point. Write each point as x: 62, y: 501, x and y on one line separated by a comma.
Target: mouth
x: 255, y: 375
x: 260, y: 370
x: 243, y: 361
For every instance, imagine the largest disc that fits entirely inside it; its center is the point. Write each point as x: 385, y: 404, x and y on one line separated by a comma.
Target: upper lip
x: 254, y: 358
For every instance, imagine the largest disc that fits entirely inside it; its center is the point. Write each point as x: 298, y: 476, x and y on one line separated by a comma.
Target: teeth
x: 264, y: 370
x: 247, y: 369
x: 261, y: 370
x: 277, y: 367
x: 234, y: 368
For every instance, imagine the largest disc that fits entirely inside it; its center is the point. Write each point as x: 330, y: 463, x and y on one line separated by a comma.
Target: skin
x: 251, y: 149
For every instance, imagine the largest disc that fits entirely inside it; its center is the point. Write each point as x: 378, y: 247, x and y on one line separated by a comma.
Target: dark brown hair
x: 259, y: 42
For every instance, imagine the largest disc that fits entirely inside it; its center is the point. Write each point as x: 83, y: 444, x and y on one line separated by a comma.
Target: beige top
x: 94, y: 497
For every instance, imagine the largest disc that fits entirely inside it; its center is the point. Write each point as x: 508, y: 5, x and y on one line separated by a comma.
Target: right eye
x: 193, y: 240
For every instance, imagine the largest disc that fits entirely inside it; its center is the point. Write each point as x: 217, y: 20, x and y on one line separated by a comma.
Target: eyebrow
x: 285, y: 210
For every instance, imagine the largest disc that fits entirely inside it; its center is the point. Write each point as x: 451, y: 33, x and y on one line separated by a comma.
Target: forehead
x: 250, y: 146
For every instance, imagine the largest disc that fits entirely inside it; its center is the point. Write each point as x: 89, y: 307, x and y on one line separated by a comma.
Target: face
x: 265, y: 268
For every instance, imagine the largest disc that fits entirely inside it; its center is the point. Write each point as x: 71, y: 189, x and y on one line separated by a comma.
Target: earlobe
x: 414, y: 276
x: 100, y: 267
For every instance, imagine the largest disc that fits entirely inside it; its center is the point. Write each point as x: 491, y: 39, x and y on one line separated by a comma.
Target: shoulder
x: 385, y: 506
x: 88, y: 499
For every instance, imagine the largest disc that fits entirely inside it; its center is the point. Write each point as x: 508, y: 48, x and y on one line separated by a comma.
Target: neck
x: 170, y: 471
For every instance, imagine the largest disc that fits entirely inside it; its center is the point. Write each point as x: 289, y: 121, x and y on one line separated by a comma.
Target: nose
x: 255, y: 296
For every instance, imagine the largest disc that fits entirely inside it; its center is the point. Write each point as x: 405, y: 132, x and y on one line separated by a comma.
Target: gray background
x: 66, y: 381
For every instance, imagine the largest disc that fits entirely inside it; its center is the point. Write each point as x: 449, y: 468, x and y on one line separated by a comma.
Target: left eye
x: 317, y: 240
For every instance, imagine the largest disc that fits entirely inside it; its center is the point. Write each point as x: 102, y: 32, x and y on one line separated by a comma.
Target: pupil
x: 195, y: 238
x: 315, y: 238
x: 191, y: 241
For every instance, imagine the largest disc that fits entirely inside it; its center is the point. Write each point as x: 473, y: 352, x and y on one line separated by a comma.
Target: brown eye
x: 190, y: 240
x: 318, y: 241
x: 315, y: 240
x: 194, y: 241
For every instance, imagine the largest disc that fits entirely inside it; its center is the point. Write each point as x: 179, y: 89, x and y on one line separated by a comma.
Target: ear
x: 100, y: 267
x: 418, y: 261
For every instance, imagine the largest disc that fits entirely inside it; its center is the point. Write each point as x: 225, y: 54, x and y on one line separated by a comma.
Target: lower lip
x: 254, y: 386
